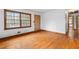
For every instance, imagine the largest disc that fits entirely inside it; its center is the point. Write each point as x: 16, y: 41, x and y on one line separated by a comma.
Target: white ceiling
x: 46, y: 10
x: 41, y: 10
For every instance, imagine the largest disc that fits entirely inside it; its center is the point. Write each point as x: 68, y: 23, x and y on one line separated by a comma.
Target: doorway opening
x: 73, y: 24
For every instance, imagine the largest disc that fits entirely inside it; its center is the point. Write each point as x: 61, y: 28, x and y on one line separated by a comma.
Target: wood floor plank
x: 40, y: 40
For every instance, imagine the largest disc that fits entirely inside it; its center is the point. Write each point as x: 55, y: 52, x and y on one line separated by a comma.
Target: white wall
x: 6, y: 33
x: 54, y: 21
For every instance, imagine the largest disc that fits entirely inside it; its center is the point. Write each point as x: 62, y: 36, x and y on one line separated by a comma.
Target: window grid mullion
x: 18, y: 20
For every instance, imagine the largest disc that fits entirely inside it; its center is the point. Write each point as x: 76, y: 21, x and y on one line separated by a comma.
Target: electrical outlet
x: 19, y: 32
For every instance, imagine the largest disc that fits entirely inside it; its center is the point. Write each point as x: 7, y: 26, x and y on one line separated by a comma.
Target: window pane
x: 12, y: 19
x: 25, y: 20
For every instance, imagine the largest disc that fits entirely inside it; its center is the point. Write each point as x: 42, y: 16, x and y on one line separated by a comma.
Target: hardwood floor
x: 40, y: 40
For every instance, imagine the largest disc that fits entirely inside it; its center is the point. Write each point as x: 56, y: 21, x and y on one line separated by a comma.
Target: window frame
x: 5, y: 20
x: 21, y: 20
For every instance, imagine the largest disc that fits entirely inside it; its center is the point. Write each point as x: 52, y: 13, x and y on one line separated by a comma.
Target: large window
x: 14, y: 19
x: 25, y: 20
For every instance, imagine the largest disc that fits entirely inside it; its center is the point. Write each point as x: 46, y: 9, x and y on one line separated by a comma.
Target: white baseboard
x: 54, y: 31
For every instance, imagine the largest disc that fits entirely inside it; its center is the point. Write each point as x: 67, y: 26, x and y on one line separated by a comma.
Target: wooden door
x: 71, y: 26
x: 37, y: 22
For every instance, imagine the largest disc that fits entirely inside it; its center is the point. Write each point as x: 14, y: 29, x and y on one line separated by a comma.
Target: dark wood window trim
x: 5, y: 25
x: 21, y: 20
